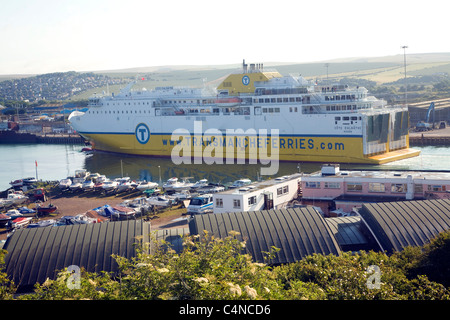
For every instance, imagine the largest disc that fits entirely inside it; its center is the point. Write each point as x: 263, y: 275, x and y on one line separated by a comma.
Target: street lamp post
x: 404, y: 64
x: 159, y: 169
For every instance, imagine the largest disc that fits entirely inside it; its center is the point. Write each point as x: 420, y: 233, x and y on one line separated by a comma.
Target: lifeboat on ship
x: 228, y: 102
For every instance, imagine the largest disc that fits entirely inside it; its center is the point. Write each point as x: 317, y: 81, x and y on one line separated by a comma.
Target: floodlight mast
x: 406, y: 85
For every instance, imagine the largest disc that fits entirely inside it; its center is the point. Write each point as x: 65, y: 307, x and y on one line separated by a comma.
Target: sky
x: 43, y: 36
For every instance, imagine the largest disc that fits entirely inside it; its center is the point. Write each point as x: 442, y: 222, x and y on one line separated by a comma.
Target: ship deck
x: 394, y: 155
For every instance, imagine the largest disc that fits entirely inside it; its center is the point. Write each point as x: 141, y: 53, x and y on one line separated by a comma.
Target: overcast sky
x: 42, y: 36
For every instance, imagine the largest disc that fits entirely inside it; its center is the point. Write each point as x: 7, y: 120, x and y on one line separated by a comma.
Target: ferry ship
x: 297, y: 118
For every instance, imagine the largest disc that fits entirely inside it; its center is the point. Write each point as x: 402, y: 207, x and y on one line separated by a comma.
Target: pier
x: 12, y: 136
x: 435, y: 137
x: 60, y: 139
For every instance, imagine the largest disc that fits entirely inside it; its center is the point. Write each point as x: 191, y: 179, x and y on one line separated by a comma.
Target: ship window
x: 277, y: 109
x: 291, y: 99
x: 290, y: 109
x: 354, y: 118
x: 270, y: 110
x: 345, y: 118
x: 251, y: 200
x: 298, y: 99
x: 328, y: 108
x: 295, y: 109
x: 219, y: 202
x: 264, y: 110
x: 236, y: 203
x: 279, y: 100
x: 337, y: 118
x: 272, y: 100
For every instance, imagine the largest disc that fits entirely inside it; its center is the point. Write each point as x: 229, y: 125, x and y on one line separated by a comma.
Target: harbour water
x: 55, y: 162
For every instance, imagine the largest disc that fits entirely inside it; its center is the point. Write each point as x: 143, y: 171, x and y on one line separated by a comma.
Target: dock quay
x: 60, y: 139
x: 12, y: 136
x: 436, y: 137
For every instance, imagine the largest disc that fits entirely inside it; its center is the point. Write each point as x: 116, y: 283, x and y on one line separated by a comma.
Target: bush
x: 218, y: 269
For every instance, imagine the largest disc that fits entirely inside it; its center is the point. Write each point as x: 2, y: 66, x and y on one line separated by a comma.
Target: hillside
x: 380, y: 71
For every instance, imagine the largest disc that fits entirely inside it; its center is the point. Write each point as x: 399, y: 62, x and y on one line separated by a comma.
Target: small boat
x: 23, y: 182
x: 14, y: 213
x: 74, y: 220
x: 26, y: 210
x: 211, y: 188
x: 82, y: 173
x: 184, y: 185
x: 46, y: 210
x: 110, y: 185
x: 144, y: 185
x: 181, y: 195
x: 201, y: 204
x: 200, y: 184
x: 160, y: 201
x: 16, y: 198
x: 240, y: 183
x: 99, y: 181
x: 124, y: 184
x: 4, y: 219
x: 87, y: 185
x: 43, y: 223
x: 65, y: 183
x: 19, y: 222
x: 16, y: 183
x: 76, y: 185
x: 172, y: 183
x: 120, y: 211
x: 29, y: 181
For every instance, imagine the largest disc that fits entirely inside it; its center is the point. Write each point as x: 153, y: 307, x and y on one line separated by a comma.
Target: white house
x: 268, y: 194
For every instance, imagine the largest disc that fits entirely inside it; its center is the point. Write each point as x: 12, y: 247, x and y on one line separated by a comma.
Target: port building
x: 264, y: 195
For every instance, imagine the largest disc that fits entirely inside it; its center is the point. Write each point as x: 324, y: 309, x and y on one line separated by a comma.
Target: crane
x: 425, y: 126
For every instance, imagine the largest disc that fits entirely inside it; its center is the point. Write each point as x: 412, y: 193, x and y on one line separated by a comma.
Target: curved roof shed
x: 397, y: 225
x: 39, y: 253
x: 297, y: 232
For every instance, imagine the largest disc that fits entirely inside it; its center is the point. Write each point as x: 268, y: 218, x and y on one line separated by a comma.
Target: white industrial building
x: 264, y: 195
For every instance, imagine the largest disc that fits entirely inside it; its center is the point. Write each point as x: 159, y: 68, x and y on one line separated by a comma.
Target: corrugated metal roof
x: 173, y: 236
x: 346, y: 230
x: 298, y: 232
x: 40, y: 253
x: 397, y: 225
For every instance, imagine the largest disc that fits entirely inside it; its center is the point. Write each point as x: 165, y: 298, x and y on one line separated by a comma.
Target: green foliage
x: 7, y: 288
x: 434, y: 260
x: 214, y: 268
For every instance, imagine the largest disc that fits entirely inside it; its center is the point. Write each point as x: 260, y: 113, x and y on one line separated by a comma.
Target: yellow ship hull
x: 284, y: 148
